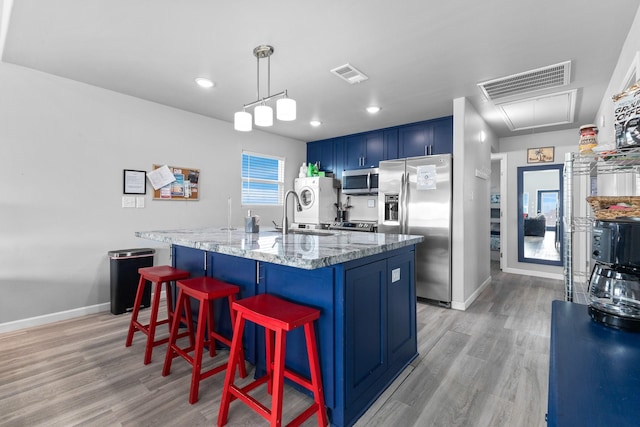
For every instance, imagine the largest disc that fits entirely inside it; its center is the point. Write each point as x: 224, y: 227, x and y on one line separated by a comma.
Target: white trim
x: 462, y: 306
x: 534, y: 273
x: 53, y: 317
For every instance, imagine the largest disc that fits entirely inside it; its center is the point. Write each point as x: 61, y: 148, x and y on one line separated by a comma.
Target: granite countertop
x: 307, y: 250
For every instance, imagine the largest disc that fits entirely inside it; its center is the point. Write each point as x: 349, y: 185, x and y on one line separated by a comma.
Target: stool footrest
x: 241, y: 393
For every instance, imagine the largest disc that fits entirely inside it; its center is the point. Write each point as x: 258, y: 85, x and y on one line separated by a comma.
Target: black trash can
x: 124, y: 278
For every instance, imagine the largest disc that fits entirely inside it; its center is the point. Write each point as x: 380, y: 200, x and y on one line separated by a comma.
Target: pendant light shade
x: 286, y: 109
x: 263, y: 115
x: 242, y: 121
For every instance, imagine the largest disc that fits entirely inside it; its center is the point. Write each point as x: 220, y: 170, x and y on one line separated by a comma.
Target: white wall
x: 63, y: 148
x: 470, y: 235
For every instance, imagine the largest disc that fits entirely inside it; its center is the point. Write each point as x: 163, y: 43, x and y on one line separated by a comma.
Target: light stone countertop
x: 307, y: 250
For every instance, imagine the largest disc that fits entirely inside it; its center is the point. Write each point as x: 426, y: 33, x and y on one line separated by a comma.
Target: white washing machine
x: 318, y: 197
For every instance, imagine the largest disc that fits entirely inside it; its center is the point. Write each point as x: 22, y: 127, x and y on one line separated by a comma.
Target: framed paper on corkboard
x: 540, y: 155
x: 185, y: 186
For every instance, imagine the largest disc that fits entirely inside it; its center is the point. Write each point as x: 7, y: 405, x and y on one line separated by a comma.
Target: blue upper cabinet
x: 443, y: 135
x: 390, y: 143
x: 322, y: 152
x: 363, y: 150
x: 366, y: 150
x: 426, y: 138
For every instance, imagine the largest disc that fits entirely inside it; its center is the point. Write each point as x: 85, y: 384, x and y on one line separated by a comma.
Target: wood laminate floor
x: 486, y: 366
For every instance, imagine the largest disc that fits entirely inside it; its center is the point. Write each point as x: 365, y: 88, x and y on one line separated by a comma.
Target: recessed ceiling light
x: 206, y: 83
x: 315, y: 123
x: 373, y: 110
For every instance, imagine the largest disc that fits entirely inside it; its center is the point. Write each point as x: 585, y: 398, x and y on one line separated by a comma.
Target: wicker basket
x: 600, y: 206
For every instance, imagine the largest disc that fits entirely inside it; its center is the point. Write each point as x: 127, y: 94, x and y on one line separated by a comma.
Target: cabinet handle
x: 257, y: 272
x: 205, y: 262
x: 425, y: 151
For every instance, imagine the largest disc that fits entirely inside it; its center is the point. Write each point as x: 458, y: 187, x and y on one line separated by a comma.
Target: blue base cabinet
x: 367, y: 328
x: 238, y: 271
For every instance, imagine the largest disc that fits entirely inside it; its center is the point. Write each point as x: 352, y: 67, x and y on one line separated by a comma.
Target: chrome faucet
x: 285, y: 220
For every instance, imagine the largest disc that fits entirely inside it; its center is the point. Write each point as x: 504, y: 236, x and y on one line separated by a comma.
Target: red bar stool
x: 205, y: 290
x: 277, y: 316
x: 157, y: 275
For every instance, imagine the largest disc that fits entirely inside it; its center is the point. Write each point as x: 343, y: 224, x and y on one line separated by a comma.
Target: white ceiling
x: 419, y: 54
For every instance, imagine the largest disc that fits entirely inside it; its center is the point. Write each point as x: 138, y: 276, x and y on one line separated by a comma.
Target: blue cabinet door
x: 322, y: 152
x: 192, y: 260
x: 401, y: 303
x: 390, y: 144
x: 365, y: 329
x: 374, y: 149
x: 443, y: 135
x: 242, y: 273
x: 415, y: 139
x: 354, y: 152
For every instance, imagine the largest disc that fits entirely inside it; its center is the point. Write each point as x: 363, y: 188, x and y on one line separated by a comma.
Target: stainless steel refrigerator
x: 414, y: 197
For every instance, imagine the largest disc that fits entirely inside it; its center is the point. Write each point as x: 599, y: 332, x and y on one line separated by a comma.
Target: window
x: 262, y: 179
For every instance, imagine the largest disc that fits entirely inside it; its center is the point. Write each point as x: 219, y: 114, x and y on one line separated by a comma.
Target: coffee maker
x: 614, y: 286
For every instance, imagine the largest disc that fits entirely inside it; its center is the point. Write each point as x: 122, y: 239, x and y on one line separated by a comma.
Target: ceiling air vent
x: 349, y: 74
x: 529, y: 81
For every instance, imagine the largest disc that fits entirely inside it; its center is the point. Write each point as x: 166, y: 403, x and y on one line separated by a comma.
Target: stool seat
x: 205, y: 290
x: 207, y: 287
x: 163, y: 273
x: 157, y: 276
x: 277, y: 316
x: 271, y: 311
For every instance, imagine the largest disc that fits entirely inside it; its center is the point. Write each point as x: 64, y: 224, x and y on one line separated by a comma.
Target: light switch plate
x: 395, y: 275
x: 371, y: 203
x: 128, y: 202
x: 139, y: 202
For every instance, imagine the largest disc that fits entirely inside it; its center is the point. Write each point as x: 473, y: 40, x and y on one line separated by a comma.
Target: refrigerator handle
x: 405, y: 205
x: 401, y: 205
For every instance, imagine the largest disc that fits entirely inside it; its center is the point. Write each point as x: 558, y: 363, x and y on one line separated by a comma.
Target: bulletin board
x: 185, y: 187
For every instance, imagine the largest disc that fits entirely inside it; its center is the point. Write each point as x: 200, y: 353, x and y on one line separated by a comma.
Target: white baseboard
x: 53, y: 317
x: 534, y: 273
x: 462, y: 306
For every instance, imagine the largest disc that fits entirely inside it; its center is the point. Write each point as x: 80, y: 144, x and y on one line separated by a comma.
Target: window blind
x: 262, y: 179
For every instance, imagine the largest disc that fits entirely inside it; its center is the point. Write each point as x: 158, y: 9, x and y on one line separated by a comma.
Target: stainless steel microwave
x: 360, y: 181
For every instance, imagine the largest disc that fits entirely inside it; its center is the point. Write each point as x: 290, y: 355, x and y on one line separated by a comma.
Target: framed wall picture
x: 134, y: 182
x: 540, y: 155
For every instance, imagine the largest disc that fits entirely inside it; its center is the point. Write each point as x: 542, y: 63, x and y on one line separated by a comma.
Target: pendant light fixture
x: 263, y: 114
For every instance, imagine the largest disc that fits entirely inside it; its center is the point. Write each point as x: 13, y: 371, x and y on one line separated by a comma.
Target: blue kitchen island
x: 363, y: 283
